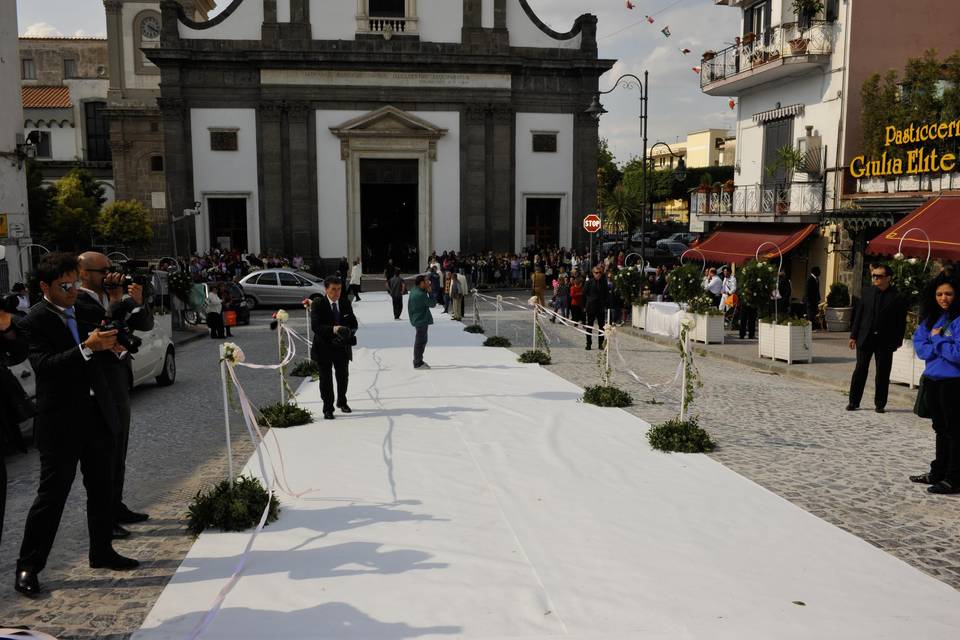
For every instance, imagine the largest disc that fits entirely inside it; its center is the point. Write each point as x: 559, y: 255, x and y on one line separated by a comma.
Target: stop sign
x: 592, y: 223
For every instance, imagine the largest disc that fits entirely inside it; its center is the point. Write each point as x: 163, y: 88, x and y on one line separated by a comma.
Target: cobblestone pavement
x: 791, y: 436
x: 177, y: 447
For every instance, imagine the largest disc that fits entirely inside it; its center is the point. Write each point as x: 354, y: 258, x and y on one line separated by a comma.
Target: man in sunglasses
x: 596, y: 299
x: 877, y: 329
x: 77, y: 421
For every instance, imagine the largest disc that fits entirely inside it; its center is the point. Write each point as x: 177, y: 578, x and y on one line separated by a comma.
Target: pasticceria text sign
x: 918, y: 160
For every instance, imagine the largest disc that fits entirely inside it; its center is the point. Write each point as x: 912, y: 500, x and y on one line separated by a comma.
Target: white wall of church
x: 446, y: 180
x: 245, y: 23
x: 440, y: 20
x: 226, y: 173
x: 132, y: 79
x: 333, y: 19
x: 487, y: 14
x: 283, y: 10
x: 524, y: 33
x: 544, y: 174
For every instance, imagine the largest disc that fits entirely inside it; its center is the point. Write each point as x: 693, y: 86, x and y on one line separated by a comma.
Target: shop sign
x: 918, y: 160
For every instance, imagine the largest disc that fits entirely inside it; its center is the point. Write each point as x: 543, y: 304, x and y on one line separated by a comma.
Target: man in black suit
x: 334, y: 326
x: 13, y: 350
x: 596, y: 299
x: 102, y: 297
x: 879, y: 322
x: 811, y: 296
x: 77, y: 421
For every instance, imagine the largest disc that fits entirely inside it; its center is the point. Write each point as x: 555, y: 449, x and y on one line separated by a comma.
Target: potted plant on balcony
x: 798, y: 46
x: 706, y: 183
x: 729, y: 186
x: 788, y: 159
x: 709, y: 55
x: 748, y: 38
x: 806, y: 11
x: 839, y: 312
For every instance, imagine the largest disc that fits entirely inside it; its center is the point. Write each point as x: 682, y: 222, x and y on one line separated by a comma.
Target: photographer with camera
x: 111, y: 299
x: 13, y: 350
x: 334, y: 328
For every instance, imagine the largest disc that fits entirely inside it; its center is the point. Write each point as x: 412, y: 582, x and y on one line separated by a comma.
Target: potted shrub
x: 839, y: 312
x: 798, y: 46
x: 709, y: 55
x: 789, y: 339
x: 708, y: 319
x: 748, y: 38
x: 706, y: 183
x: 729, y: 186
x: 806, y: 11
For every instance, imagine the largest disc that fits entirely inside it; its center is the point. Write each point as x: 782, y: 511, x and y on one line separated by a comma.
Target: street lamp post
x: 596, y: 110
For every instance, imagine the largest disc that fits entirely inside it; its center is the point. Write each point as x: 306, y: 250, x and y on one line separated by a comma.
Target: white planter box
x: 708, y: 330
x: 639, y: 317
x: 907, y: 367
x: 791, y: 343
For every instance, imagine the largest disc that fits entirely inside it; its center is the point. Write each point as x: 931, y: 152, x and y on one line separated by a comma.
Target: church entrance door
x: 389, y: 214
x: 543, y: 222
x: 228, y: 223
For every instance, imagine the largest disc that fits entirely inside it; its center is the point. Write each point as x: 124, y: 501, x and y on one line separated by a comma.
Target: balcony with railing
x: 783, y: 202
x: 784, y: 50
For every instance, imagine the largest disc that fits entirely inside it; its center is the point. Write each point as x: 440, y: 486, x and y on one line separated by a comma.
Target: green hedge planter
x: 496, y: 341
x: 305, y: 369
x: 607, y: 396
x: 534, y: 357
x: 231, y: 508
x: 280, y: 416
x: 676, y: 436
x: 473, y: 328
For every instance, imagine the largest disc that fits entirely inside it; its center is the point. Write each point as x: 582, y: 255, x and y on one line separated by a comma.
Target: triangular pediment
x: 388, y: 122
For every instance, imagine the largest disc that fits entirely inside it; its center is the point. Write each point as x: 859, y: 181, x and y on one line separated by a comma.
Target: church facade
x: 378, y: 128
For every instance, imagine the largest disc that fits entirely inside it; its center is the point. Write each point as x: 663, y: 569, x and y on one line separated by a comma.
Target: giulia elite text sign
x: 917, y: 160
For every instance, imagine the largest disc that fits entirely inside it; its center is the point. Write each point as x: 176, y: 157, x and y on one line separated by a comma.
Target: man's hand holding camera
x: 101, y: 340
x: 114, y: 283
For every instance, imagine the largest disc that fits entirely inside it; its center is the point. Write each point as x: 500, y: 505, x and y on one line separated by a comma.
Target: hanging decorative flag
x: 733, y: 104
x: 629, y: 4
x: 684, y: 51
x: 666, y: 31
x: 696, y: 69
x: 650, y: 19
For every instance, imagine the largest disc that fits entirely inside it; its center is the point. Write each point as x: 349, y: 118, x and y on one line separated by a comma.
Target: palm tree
x: 622, y: 207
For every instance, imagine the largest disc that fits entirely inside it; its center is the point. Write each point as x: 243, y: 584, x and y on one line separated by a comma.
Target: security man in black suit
x: 77, y: 421
x: 103, y: 297
x: 334, y: 327
x: 13, y: 350
x: 879, y: 322
x: 596, y: 299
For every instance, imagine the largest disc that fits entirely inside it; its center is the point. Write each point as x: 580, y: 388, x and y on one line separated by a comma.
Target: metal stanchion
x: 226, y: 412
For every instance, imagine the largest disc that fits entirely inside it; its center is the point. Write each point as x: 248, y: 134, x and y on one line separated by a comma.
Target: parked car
x: 279, y: 287
x: 684, y: 237
x: 671, y: 248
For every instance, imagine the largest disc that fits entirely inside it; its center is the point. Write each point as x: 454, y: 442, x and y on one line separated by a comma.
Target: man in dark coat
x: 77, y: 421
x: 334, y: 327
x: 811, y: 296
x: 879, y: 322
x: 13, y: 350
x: 596, y: 299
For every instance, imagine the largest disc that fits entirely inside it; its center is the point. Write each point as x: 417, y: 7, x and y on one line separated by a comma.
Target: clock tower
x: 136, y: 125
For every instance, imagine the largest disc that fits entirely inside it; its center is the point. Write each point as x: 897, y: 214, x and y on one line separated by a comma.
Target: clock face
x: 150, y: 28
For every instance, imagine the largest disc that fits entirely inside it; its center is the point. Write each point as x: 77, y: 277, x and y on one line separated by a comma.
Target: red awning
x: 938, y: 219
x: 738, y: 242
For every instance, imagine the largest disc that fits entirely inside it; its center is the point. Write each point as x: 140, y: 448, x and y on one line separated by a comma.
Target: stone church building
x: 376, y: 128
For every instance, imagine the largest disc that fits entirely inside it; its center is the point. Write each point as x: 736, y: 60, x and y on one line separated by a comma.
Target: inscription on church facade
x: 338, y: 78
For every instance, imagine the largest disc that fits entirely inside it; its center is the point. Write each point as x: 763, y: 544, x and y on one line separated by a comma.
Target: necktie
x: 336, y: 313
x: 72, y: 323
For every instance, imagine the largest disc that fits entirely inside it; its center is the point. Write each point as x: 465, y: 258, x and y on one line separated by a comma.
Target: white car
x: 156, y: 359
x: 279, y: 287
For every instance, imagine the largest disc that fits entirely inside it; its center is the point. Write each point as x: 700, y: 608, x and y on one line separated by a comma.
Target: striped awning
x: 777, y: 114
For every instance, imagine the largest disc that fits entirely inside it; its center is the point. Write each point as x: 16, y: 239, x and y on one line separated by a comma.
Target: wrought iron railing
x: 761, y: 200
x: 788, y: 40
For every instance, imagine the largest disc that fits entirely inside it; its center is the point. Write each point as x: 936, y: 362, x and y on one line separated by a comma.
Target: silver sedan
x: 271, y: 287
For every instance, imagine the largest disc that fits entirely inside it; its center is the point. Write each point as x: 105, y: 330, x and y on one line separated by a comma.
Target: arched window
x: 146, y: 35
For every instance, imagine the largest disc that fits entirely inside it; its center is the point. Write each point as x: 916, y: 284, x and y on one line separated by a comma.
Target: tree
x: 73, y: 214
x: 38, y: 200
x: 125, y: 223
x: 608, y: 173
x: 622, y: 208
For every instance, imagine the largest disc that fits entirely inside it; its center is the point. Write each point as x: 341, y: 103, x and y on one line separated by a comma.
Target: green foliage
x: 622, y: 208
x: 839, y: 295
x: 39, y: 199
x: 808, y: 8
x: 628, y: 283
x: 787, y: 158
x: 703, y: 305
x: 305, y: 369
x: 280, y: 416
x: 756, y: 281
x: 125, y: 223
x: 607, y: 396
x: 663, y: 183
x: 473, y: 328
x: 911, y: 276
x: 534, y: 357
x: 73, y: 213
x: 235, y: 507
x: 686, y: 282
x: 496, y: 341
x: 609, y: 174
x: 680, y: 436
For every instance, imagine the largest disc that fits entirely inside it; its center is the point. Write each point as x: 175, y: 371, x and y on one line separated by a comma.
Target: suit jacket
x: 811, y: 296
x: 891, y: 321
x: 64, y: 377
x: 322, y: 323
x: 596, y: 295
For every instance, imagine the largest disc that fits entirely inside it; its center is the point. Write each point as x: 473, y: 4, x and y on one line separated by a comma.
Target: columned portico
x: 389, y: 134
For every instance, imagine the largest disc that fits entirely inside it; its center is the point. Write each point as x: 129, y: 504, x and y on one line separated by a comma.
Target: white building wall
x: 245, y: 23
x: 132, y: 80
x: 488, y: 15
x: 13, y: 179
x: 283, y: 10
x: 446, y: 180
x: 440, y: 20
x: 333, y: 19
x: 82, y: 91
x: 524, y: 33
x: 544, y: 174
x: 226, y: 173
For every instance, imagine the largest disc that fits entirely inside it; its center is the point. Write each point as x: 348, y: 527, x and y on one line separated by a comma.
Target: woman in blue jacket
x: 936, y: 342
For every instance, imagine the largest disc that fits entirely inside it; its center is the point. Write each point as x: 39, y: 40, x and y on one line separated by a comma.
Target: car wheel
x: 251, y: 302
x: 169, y: 373
x: 191, y: 317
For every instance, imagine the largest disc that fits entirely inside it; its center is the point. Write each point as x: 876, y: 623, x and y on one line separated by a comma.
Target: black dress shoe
x: 943, y: 487
x: 26, y: 583
x: 923, y: 478
x: 114, y: 561
x: 119, y: 532
x: 328, y: 415
x: 880, y: 410
x: 851, y: 407
x: 131, y: 517
x: 344, y: 407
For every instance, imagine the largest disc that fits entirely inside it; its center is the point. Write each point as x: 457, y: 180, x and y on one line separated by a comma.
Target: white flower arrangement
x: 233, y: 354
x: 533, y: 301
x: 688, y: 323
x: 307, y: 303
x: 281, y: 315
x: 898, y: 256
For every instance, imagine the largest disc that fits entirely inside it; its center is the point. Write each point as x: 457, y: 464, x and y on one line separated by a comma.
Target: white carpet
x: 481, y: 500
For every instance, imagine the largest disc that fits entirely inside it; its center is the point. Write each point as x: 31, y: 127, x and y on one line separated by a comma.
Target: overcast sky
x: 676, y: 104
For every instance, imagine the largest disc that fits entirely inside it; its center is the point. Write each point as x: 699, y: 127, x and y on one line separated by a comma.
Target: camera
x: 125, y: 336
x: 343, y: 336
x: 134, y: 272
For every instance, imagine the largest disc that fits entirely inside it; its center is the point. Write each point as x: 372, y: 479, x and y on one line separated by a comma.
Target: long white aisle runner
x: 481, y: 500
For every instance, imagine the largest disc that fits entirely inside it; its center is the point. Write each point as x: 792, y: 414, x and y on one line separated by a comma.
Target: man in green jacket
x: 418, y: 308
